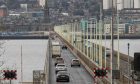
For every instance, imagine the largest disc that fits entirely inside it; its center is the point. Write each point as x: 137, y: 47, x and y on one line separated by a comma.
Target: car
x: 60, y: 67
x: 58, y: 60
x: 75, y: 62
x: 62, y: 76
x: 64, y: 47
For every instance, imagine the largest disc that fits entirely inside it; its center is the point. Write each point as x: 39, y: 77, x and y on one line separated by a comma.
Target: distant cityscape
x: 30, y: 12
x: 121, y: 4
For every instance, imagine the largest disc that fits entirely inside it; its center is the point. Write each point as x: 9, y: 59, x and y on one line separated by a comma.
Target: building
x: 3, y: 11
x: 121, y: 4
x: 37, y: 14
x: 107, y: 4
x: 29, y: 3
x: 128, y: 3
x: 123, y: 28
x: 41, y: 3
x: 136, y: 3
x: 24, y: 6
x: 107, y: 28
x: 132, y: 29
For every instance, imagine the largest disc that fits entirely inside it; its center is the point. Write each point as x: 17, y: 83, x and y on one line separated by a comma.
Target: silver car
x: 60, y: 67
x: 59, y: 60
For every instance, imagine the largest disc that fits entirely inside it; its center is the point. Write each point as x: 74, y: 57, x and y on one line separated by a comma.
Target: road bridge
x: 91, y: 54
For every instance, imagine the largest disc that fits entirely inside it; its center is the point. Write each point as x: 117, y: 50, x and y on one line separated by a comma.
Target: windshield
x: 61, y: 65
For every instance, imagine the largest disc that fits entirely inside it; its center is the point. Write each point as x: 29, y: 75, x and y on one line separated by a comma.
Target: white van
x: 56, y: 49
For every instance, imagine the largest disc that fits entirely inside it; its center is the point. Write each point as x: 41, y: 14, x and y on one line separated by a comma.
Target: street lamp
x: 118, y: 36
x: 128, y: 63
x: 92, y: 31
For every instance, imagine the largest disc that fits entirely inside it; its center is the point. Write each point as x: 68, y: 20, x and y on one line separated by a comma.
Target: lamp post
x: 92, y: 32
x: 21, y: 66
x: 128, y: 64
x: 118, y: 36
x: 112, y: 40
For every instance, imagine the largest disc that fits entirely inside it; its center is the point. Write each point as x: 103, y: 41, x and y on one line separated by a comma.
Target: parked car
x: 75, y: 62
x: 59, y: 60
x: 62, y: 76
x: 60, y: 67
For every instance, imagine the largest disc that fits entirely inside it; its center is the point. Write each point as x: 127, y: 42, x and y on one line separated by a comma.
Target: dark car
x: 75, y: 62
x: 62, y: 76
x: 64, y: 47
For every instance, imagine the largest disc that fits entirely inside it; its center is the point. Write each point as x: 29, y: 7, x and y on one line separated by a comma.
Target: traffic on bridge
x: 69, y: 41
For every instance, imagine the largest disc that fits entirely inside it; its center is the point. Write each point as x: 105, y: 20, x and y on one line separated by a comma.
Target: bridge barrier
x: 47, y: 64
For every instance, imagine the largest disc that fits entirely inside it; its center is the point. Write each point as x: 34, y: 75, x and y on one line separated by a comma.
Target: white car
x: 60, y: 67
x: 75, y: 62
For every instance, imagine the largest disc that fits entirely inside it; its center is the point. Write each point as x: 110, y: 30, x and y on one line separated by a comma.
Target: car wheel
x: 79, y: 65
x: 71, y: 65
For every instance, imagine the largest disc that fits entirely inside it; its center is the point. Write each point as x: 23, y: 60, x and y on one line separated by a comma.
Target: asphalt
x: 78, y: 75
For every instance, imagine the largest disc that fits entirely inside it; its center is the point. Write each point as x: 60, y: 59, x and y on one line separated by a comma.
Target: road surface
x: 78, y: 75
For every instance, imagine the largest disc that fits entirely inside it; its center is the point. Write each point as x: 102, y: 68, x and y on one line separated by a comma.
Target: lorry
x: 56, y: 49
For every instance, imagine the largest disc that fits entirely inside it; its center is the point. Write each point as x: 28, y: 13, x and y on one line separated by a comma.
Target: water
x: 123, y: 45
x: 33, y: 52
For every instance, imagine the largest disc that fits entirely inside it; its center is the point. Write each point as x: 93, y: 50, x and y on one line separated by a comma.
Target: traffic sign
x: 8, y: 74
x: 83, y: 24
x: 100, y: 72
